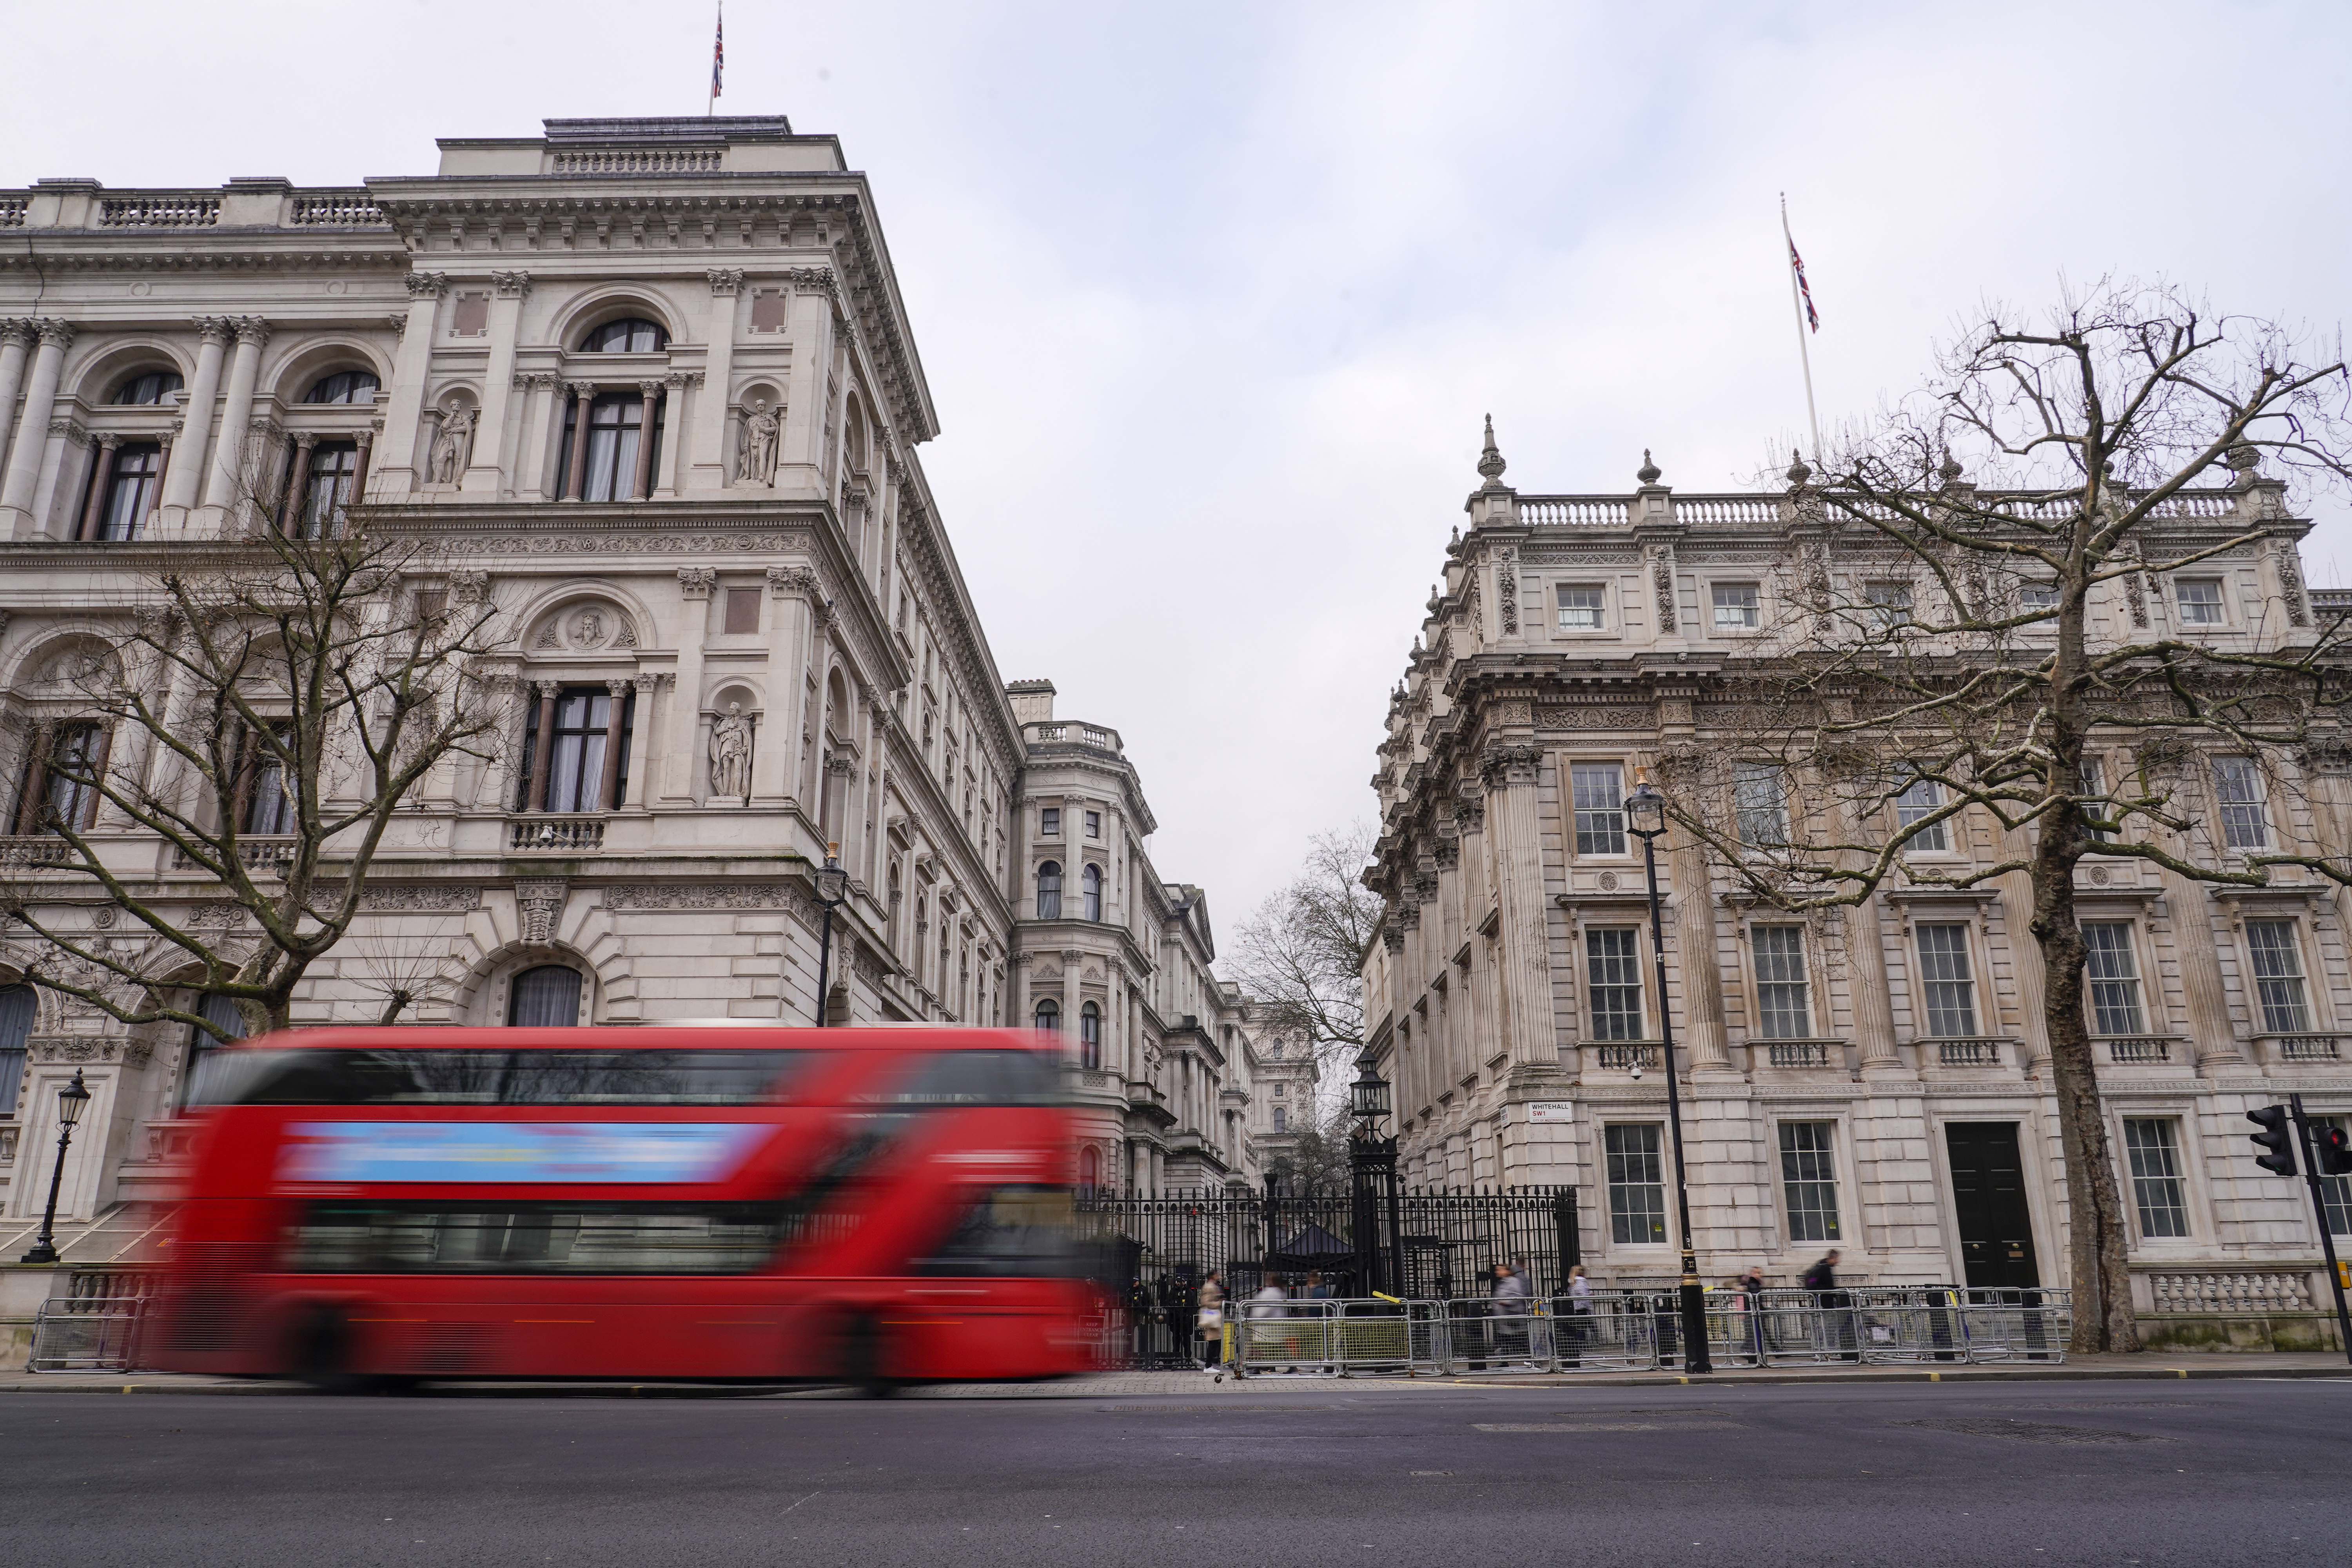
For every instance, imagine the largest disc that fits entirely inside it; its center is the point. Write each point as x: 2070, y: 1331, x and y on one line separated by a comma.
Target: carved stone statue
x: 455, y: 448
x: 755, y: 458
x: 730, y: 754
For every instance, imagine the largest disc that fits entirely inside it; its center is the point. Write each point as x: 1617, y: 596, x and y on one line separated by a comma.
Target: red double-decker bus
x: 378, y: 1207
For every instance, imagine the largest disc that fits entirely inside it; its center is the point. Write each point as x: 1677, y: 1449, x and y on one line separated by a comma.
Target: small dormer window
x: 629, y: 335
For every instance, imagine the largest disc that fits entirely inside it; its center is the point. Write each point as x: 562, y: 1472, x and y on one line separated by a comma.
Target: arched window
x: 147, y: 386
x: 1049, y: 890
x: 1091, y: 885
x: 268, y: 808
x: 326, y: 485
x: 200, y: 1076
x: 127, y: 482
x: 1090, y: 1036
x: 616, y: 422
x: 547, y: 997
x: 344, y: 386
x: 629, y: 335
x: 1090, y: 1167
x: 16, y: 1029
x: 569, y: 774
x: 1049, y: 1017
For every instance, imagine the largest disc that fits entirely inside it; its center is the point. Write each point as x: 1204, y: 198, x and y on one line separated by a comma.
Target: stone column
x: 619, y: 690
x: 1702, y: 969
x: 683, y: 744
x: 1529, y: 1031
x: 30, y: 446
x: 799, y: 447
x: 537, y: 415
x: 94, y: 505
x: 184, y: 480
x: 16, y: 340
x: 641, y: 482
x: 363, y: 438
x: 796, y: 629
x: 2196, y: 945
x: 584, y: 398
x: 638, y: 781
x: 713, y: 462
x: 670, y: 473
x: 225, y: 479
x: 1873, y: 1009
x: 542, y: 775
x: 404, y: 409
x: 68, y: 439
x: 484, y: 472
x: 290, y: 520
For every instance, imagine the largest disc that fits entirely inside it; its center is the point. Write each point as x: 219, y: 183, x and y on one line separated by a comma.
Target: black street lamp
x: 831, y: 892
x: 1371, y: 1165
x: 72, y: 1101
x: 1645, y: 818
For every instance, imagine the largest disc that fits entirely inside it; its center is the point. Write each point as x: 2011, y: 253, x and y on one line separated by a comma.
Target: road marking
x: 1606, y: 1426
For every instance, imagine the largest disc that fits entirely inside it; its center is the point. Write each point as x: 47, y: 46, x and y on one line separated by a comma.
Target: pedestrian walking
x: 1580, y: 1314
x: 1267, y: 1305
x: 1317, y: 1287
x: 1209, y: 1321
x: 1509, y: 1307
x: 1822, y: 1276
x: 1833, y: 1304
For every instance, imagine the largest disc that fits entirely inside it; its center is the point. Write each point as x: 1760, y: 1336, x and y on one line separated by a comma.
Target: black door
x: 1989, y: 1199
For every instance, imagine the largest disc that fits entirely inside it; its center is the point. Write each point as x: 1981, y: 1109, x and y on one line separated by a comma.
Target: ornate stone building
x: 648, y: 387
x: 1876, y: 1080
x: 1118, y: 961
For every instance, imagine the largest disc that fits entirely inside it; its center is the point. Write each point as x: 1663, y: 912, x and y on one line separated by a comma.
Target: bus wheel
x: 322, y: 1346
x: 862, y: 1359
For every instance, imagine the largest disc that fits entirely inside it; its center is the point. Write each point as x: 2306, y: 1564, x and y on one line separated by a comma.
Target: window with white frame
x: 1784, y: 1002
x: 1281, y: 1119
x: 2113, y: 975
x: 1809, y: 1179
x: 1597, y: 792
x: 1922, y: 799
x: 1049, y: 822
x: 2278, y: 976
x: 1946, y: 985
x: 1579, y: 607
x: 2238, y: 791
x: 1612, y: 981
x: 2037, y: 598
x: 1738, y: 606
x: 1637, y: 1189
x: 2093, y: 784
x: 1761, y: 799
x: 2200, y: 599
x: 1890, y: 603
x: 2159, y: 1191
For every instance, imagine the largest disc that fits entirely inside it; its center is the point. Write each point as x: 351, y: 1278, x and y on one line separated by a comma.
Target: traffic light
x: 2332, y: 1150
x: 2275, y: 1137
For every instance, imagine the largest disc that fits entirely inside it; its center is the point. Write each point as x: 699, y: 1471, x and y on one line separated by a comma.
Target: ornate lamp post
x: 1645, y: 818
x: 831, y: 892
x: 1371, y: 1162
x: 72, y: 1101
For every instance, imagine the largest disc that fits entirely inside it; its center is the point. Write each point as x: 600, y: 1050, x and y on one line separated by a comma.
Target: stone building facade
x: 649, y: 389
x: 1876, y: 1080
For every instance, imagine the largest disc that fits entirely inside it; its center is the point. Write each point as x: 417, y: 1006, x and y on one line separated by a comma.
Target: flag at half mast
x: 1804, y: 289
x: 719, y: 55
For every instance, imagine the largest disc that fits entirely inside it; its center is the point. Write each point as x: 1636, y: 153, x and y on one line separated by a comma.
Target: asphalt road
x: 2046, y: 1473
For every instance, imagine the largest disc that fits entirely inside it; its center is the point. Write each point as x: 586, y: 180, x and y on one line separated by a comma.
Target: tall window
x: 2200, y: 599
x: 63, y: 778
x: 1923, y: 799
x: 2113, y: 975
x: 2156, y: 1187
x: 343, y: 386
x: 1049, y: 822
x: 2278, y: 976
x: 1637, y: 1191
x: 1579, y: 607
x: 1049, y: 890
x: 1599, y: 792
x: 575, y: 759
x: 1945, y: 982
x: 131, y: 479
x: 1090, y: 1036
x: 2092, y: 783
x: 1890, y: 603
x: 1281, y: 1119
x: 1761, y: 801
x: 2335, y: 1191
x: 1784, y: 1005
x: 616, y: 426
x: 1090, y: 891
x: 327, y: 485
x: 16, y: 1007
x: 1809, y: 1180
x: 267, y: 808
x: 1613, y: 978
x: 1094, y: 825
x: 1049, y: 1017
x: 2238, y: 789
x: 1737, y: 607
x: 631, y: 335
x: 149, y: 387
x: 547, y: 997
x: 200, y: 1076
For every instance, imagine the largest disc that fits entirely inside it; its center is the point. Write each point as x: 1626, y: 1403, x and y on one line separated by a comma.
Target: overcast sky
x: 1212, y: 298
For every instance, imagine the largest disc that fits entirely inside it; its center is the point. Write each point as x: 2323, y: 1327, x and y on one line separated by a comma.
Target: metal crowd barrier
x: 1610, y: 1331
x: 68, y: 1341
x: 1337, y: 1338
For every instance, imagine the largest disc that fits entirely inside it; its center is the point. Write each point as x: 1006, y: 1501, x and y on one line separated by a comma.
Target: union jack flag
x: 1812, y: 316
x: 719, y: 53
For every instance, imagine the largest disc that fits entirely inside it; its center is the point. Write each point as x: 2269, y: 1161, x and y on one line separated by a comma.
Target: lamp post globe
x: 831, y: 883
x: 72, y: 1101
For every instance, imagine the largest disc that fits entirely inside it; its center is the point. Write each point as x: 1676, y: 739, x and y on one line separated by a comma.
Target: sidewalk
x: 1196, y: 1385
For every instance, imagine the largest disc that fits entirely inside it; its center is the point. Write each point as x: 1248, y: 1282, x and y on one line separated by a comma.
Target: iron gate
x: 1152, y: 1254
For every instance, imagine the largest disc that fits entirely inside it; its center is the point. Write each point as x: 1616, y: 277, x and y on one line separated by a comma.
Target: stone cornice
x: 380, y: 253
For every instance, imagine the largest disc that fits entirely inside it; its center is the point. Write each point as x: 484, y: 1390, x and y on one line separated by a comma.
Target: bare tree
x: 1300, y: 953
x: 1974, y: 664
x: 265, y: 708
x: 1317, y: 1163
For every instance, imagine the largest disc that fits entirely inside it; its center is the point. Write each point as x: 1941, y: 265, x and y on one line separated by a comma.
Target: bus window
x: 979, y: 1077
x: 435, y: 1237
x: 512, y: 1078
x: 1025, y: 1231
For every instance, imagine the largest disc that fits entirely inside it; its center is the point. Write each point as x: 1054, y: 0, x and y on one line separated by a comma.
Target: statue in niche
x: 730, y: 754
x: 454, y: 448
x: 755, y: 457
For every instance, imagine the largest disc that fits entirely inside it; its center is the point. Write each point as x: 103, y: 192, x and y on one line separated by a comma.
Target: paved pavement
x: 2062, y: 1471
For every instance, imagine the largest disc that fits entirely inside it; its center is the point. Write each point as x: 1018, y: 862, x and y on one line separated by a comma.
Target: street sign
x: 1542, y: 1111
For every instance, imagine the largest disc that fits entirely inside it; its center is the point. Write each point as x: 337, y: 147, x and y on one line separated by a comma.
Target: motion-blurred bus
x: 371, y: 1207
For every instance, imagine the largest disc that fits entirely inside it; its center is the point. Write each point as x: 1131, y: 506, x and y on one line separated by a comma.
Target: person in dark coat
x: 1822, y: 1276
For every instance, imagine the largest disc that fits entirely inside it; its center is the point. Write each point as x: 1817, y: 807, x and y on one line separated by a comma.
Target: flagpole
x: 1804, y: 352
